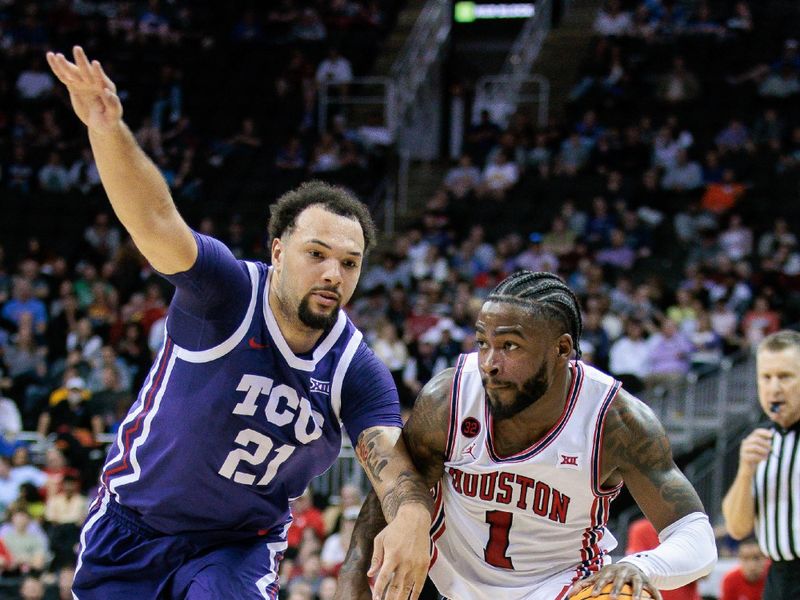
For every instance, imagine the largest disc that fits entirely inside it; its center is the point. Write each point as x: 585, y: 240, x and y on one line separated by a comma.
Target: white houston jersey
x: 506, y: 525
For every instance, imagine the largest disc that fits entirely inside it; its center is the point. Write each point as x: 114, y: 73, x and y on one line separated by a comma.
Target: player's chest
x: 287, y: 404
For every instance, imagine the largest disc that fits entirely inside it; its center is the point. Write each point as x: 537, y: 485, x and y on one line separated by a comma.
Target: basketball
x: 626, y: 593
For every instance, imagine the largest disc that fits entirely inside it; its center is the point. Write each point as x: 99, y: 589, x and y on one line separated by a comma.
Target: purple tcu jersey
x: 222, y: 435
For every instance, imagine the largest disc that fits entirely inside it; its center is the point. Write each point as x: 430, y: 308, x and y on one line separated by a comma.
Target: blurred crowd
x: 666, y: 197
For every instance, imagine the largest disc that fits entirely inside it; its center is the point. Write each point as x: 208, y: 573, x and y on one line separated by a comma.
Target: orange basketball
x: 625, y: 594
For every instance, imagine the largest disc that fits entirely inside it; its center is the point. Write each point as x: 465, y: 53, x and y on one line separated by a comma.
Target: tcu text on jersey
x: 283, y: 407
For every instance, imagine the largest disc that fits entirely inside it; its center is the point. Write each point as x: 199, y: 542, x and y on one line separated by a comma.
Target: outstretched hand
x: 93, y: 94
x: 401, y: 555
x: 618, y: 574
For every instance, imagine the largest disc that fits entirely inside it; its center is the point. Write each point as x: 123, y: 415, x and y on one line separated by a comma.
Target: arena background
x: 648, y: 152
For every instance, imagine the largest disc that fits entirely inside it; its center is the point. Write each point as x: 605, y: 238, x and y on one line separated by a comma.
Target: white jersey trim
x: 453, y: 398
x: 220, y: 350
x: 132, y: 415
x: 341, y: 370
x: 597, y: 445
x: 89, y: 524
x: 114, y: 484
x: 301, y: 364
x: 275, y: 548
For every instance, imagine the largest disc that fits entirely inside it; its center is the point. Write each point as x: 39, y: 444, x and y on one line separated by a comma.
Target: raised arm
x: 636, y: 450
x: 425, y: 438
x: 137, y: 191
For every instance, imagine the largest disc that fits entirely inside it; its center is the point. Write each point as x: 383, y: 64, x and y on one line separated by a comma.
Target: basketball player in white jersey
x: 525, y: 447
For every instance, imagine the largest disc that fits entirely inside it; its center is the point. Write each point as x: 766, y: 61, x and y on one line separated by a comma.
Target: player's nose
x: 333, y: 272
x: 488, y: 362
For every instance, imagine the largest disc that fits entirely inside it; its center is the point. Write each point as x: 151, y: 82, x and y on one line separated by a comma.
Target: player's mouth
x: 496, y: 385
x: 326, y: 298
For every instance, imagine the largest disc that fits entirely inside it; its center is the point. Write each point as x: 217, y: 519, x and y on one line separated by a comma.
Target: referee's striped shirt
x: 776, y: 488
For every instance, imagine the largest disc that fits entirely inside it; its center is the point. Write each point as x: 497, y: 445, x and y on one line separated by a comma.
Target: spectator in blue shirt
x: 23, y: 301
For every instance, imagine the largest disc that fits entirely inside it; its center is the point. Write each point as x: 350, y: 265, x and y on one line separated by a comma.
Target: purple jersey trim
x: 369, y: 395
x: 210, y: 299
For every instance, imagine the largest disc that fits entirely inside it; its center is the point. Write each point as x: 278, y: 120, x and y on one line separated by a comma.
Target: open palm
x: 93, y: 94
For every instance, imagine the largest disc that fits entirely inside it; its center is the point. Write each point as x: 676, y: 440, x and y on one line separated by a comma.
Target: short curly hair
x: 339, y: 201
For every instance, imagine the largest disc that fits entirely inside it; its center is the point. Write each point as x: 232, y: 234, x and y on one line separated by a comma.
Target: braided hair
x: 547, y: 295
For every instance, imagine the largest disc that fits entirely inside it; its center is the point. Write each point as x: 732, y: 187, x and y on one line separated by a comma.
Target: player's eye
x: 510, y: 346
x: 481, y: 344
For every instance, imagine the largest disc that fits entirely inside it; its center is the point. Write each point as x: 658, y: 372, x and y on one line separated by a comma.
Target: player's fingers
x: 654, y: 592
x: 377, y: 556
x: 419, y: 582
x: 405, y: 582
x: 602, y: 580
x: 636, y: 589
x: 398, y: 590
x: 82, y: 63
x: 104, y: 79
x: 382, y: 582
x: 616, y: 589
x: 579, y: 585
x: 55, y: 67
x: 65, y: 71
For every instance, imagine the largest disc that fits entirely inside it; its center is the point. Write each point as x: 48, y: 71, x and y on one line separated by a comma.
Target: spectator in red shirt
x: 305, y: 516
x: 746, y: 582
x: 643, y: 536
x: 760, y: 321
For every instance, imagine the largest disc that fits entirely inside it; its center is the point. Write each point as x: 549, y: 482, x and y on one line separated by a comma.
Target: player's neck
x: 531, y: 424
x: 299, y: 337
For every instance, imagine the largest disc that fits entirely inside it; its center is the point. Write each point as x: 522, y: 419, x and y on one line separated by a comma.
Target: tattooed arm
x: 425, y: 437
x: 636, y: 450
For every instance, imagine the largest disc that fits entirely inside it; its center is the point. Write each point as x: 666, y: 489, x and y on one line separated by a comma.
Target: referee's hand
x: 755, y: 448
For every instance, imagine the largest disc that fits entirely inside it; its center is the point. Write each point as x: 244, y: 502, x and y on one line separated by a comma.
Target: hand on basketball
x: 401, y: 555
x: 93, y: 94
x: 618, y: 575
x: 755, y: 448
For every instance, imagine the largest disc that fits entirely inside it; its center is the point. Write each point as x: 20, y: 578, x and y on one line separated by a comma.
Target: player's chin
x: 325, y: 312
x: 499, y: 402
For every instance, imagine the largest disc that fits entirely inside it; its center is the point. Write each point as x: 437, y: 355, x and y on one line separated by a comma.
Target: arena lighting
x: 467, y: 12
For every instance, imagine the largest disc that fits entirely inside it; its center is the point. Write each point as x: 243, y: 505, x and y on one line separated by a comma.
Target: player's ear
x: 276, y: 251
x: 565, y: 346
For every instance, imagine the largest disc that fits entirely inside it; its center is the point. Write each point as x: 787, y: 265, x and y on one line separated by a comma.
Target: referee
x: 765, y: 495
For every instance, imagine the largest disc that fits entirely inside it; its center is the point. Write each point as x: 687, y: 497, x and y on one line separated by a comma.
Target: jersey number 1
x: 497, y: 546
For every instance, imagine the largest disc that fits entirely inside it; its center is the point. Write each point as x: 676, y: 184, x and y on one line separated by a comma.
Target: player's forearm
x: 134, y: 185
x: 369, y: 524
x: 686, y: 553
x: 738, y: 506
x: 394, y: 478
x: 141, y: 200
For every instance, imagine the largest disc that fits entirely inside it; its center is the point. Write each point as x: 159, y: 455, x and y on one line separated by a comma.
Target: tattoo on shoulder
x: 633, y: 435
x: 637, y: 445
x: 425, y: 432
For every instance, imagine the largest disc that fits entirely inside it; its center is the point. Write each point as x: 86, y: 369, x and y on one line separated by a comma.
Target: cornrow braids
x: 548, y: 295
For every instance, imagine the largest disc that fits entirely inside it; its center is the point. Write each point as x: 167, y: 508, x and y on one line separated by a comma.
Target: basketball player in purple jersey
x: 243, y: 405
